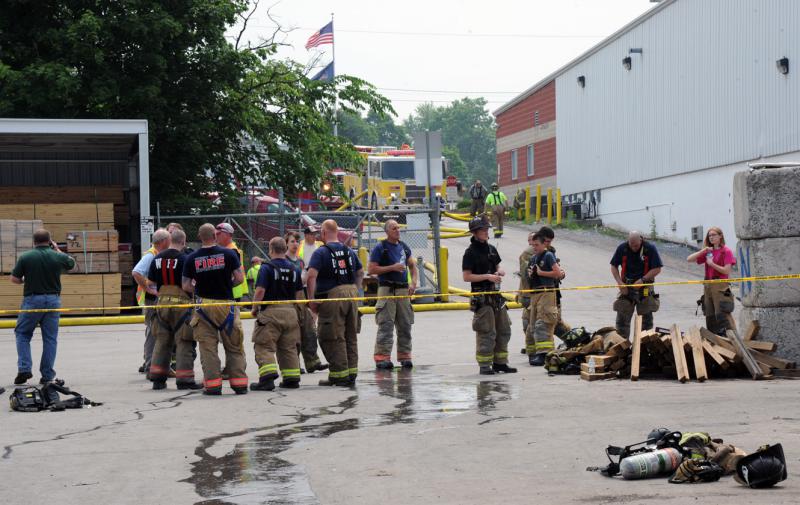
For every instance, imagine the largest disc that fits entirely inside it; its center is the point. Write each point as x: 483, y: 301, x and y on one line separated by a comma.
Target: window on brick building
x: 530, y: 160
x: 514, y: 164
x: 536, y: 118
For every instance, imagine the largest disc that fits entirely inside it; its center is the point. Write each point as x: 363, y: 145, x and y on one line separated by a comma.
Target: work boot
x: 502, y: 367
x: 224, y: 373
x: 384, y: 365
x: 318, y: 367
x: 143, y: 368
x: 523, y: 351
x: 240, y: 391
x: 334, y: 382
x: 265, y: 383
x: 189, y: 385
x: 213, y: 391
x: 58, y: 381
x: 22, y: 377
x: 290, y: 383
x: 407, y: 363
x: 160, y: 384
x: 537, y: 359
x: 350, y: 381
x: 486, y: 370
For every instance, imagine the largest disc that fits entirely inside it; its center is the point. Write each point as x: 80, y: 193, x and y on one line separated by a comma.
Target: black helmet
x: 764, y: 468
x: 657, y: 434
x: 477, y: 223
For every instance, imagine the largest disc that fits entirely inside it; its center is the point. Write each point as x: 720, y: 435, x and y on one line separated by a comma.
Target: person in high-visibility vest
x: 496, y: 201
x: 145, y: 296
x: 252, y: 273
x: 224, y: 236
x: 308, y: 245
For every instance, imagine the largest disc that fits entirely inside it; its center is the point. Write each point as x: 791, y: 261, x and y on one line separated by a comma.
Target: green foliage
x: 220, y: 116
x: 464, y: 203
x: 373, y: 130
x: 467, y: 129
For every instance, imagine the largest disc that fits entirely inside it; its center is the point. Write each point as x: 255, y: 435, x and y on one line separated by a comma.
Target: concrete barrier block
x: 771, y: 256
x: 778, y: 324
x: 765, y: 203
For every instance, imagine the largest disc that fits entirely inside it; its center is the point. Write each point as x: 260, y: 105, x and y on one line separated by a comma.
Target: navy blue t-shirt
x: 335, y: 268
x: 633, y: 264
x: 167, y: 268
x: 544, y: 262
x: 212, y: 270
x: 386, y: 254
x: 280, y: 279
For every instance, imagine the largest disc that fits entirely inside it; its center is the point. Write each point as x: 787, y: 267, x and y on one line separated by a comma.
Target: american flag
x: 323, y: 36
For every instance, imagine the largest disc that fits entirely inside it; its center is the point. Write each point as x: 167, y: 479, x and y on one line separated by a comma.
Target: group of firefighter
x: 328, y: 275
x: 494, y: 204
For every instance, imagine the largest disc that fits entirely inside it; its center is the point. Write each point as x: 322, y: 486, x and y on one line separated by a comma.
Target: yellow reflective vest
x: 140, y: 292
x: 241, y: 289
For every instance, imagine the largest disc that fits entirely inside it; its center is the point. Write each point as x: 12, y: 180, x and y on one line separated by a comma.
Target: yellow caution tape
x: 765, y: 278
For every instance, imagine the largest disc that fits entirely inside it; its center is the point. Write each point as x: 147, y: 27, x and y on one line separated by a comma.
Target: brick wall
x: 520, y: 116
x: 544, y: 164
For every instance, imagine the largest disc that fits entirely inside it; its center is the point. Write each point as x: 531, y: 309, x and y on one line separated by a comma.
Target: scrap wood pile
x: 696, y: 353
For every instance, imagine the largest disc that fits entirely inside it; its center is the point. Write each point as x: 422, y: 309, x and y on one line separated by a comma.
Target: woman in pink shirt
x: 717, y: 300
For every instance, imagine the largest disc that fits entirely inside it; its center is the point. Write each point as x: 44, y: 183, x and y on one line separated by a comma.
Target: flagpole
x: 333, y: 70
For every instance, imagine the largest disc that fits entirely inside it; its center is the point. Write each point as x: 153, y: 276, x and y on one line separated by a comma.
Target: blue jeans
x: 48, y: 321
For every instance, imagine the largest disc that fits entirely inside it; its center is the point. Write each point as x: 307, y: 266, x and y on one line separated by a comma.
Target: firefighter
x: 478, y: 195
x: 277, y: 328
x: 170, y: 326
x: 391, y: 260
x: 145, y: 297
x: 492, y: 326
x: 524, y: 299
x: 717, y: 299
x: 549, y: 235
x: 636, y: 262
x: 496, y: 201
x: 334, y: 271
x: 210, y: 273
x: 308, y: 323
x: 224, y: 237
x: 519, y: 204
x: 543, y: 270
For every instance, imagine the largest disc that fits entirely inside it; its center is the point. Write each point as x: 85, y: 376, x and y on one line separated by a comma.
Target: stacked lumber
x: 612, y: 362
x: 126, y: 264
x: 60, y: 219
x: 94, y: 251
x: 91, y: 290
x: 696, y: 353
x: 70, y: 194
x: 16, y: 237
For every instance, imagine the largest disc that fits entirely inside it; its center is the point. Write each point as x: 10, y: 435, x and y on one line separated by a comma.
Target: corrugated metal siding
x: 704, y: 93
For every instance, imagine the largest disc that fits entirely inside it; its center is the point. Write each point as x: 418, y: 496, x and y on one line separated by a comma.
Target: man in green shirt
x: 40, y: 271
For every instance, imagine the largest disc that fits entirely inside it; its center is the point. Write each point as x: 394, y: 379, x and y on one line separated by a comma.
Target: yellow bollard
x: 558, y: 205
x: 527, y: 203
x: 549, y: 205
x: 538, y: 202
x: 444, y: 280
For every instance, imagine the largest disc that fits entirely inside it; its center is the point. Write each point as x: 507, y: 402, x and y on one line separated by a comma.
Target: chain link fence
x: 357, y: 228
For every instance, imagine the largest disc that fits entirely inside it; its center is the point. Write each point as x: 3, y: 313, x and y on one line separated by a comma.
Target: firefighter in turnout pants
x: 170, y: 326
x: 635, y: 262
x: 543, y: 270
x: 392, y: 262
x: 277, y: 328
x: 211, y: 272
x: 524, y: 299
x: 497, y: 201
x: 492, y: 326
x: 334, y: 271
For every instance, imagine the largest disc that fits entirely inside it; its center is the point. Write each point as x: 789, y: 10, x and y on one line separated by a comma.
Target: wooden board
x: 86, y: 290
x: 711, y: 350
x: 749, y: 362
x: 752, y: 331
x: 721, y: 343
x: 697, y: 353
x: 772, y: 361
x: 637, y: 347
x: 761, y: 345
x: 59, y: 218
x: 95, y: 263
x: 597, y: 376
x: 92, y: 241
x: 16, y: 237
x: 588, y: 368
x: 678, y: 354
x: 600, y: 360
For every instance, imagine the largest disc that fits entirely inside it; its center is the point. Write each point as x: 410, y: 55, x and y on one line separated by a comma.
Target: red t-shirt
x: 722, y: 256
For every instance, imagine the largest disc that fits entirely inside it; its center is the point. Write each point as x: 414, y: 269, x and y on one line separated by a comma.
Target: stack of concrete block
x: 767, y: 218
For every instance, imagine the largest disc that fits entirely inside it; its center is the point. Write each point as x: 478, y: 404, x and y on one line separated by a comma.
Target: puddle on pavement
x: 252, y: 473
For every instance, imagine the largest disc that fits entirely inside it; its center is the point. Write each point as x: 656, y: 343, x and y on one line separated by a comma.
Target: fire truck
x: 387, y: 178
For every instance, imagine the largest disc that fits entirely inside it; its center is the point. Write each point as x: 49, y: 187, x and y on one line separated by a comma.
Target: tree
x: 222, y: 114
x: 467, y: 128
x: 374, y: 129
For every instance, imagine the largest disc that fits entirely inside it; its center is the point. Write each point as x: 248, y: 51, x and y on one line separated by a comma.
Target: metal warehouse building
x: 649, y: 126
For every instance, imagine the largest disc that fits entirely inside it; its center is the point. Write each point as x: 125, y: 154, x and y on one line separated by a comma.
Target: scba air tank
x: 650, y: 464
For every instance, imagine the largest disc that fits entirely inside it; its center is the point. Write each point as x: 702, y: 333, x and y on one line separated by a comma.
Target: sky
x: 417, y: 51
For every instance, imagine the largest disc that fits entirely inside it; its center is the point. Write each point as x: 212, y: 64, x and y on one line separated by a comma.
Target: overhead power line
x: 454, y: 34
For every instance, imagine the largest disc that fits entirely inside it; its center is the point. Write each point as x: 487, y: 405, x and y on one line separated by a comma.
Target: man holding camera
x: 40, y: 271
